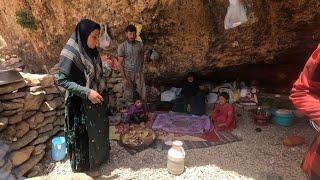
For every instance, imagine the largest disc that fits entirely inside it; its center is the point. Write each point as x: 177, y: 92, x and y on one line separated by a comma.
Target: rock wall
x: 31, y: 112
x: 116, y: 91
x: 188, y: 34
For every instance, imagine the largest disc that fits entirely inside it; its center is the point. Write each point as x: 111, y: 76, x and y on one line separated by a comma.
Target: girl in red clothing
x: 305, y: 96
x: 223, y: 114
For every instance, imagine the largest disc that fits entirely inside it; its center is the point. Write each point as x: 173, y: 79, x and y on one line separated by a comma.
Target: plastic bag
x: 104, y: 39
x: 154, y: 55
x: 168, y: 96
x: 236, y: 14
x: 177, y: 91
x: 212, y: 98
x: 139, y: 29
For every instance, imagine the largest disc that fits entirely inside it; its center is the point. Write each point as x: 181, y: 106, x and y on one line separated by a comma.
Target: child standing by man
x: 131, y: 58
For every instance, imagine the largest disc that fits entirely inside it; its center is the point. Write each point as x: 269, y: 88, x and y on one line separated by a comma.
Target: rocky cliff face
x: 188, y: 34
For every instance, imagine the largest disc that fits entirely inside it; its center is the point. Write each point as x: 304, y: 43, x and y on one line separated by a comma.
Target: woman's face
x: 93, y: 38
x: 222, y: 100
x: 190, y: 79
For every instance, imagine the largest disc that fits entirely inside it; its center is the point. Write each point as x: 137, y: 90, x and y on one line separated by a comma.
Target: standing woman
x: 80, y: 73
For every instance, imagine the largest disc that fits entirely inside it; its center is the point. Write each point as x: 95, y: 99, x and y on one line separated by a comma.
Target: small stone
x: 122, y: 100
x: 28, y: 114
x: 12, y: 96
x: 118, y: 95
x: 15, y: 119
x: 35, y: 89
x: 45, y: 128
x: 60, y: 112
x: 20, y: 156
x: 26, y: 139
x: 46, y: 121
x: 61, y: 107
x: 12, y: 177
x: 32, y: 122
x: 115, y: 80
x: 11, y: 105
x: 52, y: 90
x: 44, y: 80
x: 39, y: 117
x: 47, y: 81
x: 34, y: 171
x: 39, y: 149
x: 3, y: 123
x: 10, y: 133
x: 52, y: 105
x: 25, y: 167
x: 8, y: 88
x: 3, y: 150
x: 22, y: 128
x: 78, y: 176
x: 14, y: 60
x: 49, y: 97
x: 50, y: 113
x: 41, y: 138
x: 2, y: 162
x: 60, y: 133
x: 33, y: 100
x: 5, y: 171
x: 118, y: 88
x: 62, y: 91
x: 110, y: 86
x: 60, y: 121
x: 11, y: 112
x: 18, y: 100
x: 55, y: 130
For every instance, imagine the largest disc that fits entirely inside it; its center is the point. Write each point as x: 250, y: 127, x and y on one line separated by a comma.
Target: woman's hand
x: 95, y: 97
x: 189, y: 109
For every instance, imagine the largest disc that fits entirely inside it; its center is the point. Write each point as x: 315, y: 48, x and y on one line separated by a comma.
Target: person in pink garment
x: 223, y: 114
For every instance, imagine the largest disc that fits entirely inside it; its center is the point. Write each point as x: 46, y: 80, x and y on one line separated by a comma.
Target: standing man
x: 131, y: 58
x: 305, y: 96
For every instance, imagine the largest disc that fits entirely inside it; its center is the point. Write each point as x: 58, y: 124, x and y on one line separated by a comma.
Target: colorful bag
x: 104, y: 39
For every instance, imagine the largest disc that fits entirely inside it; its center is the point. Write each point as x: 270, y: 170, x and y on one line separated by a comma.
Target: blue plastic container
x: 282, y: 119
x: 58, y: 148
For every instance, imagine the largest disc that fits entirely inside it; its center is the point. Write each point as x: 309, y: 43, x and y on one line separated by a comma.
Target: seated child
x: 223, y: 114
x: 137, y: 113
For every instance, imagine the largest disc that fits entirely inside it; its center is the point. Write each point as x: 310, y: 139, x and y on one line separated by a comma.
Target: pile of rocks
x: 11, y: 62
x: 116, y: 91
x: 31, y: 112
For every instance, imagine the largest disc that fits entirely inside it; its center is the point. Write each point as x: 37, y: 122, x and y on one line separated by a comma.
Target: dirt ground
x: 260, y: 155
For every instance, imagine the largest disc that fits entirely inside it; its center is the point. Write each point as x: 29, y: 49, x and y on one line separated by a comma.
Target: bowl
x: 282, y: 117
x: 143, y: 142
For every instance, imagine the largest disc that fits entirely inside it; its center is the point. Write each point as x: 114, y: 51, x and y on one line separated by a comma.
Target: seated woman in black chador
x: 192, y: 99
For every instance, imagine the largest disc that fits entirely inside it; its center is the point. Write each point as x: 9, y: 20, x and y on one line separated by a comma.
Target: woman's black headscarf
x: 84, y: 28
x: 190, y: 88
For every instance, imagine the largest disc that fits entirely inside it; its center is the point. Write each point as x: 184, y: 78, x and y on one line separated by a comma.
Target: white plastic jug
x: 176, y: 157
